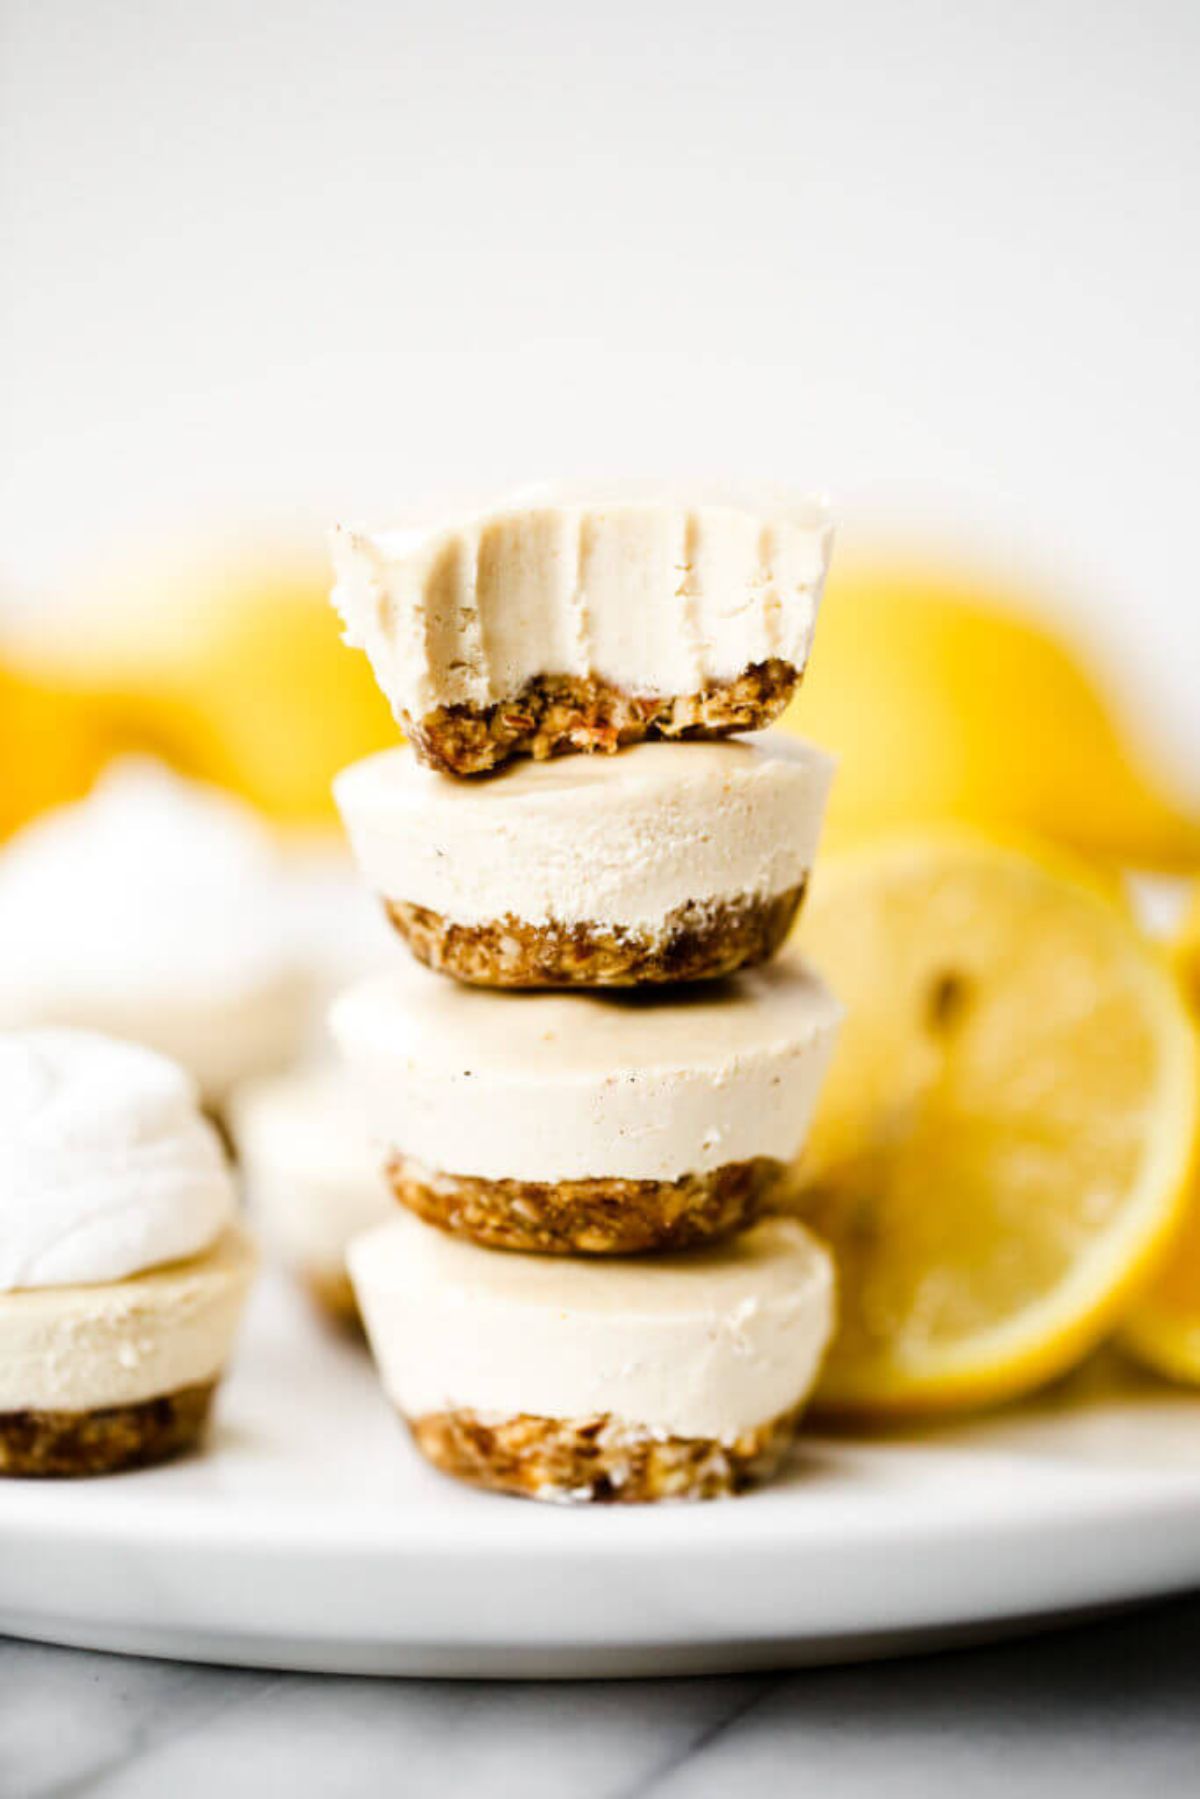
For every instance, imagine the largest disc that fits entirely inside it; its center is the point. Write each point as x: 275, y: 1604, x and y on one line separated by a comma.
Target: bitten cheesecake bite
x: 123, y: 1271
x: 152, y: 910
x: 582, y: 1122
x: 313, y: 1179
x: 674, y: 1377
x: 586, y: 620
x: 662, y: 864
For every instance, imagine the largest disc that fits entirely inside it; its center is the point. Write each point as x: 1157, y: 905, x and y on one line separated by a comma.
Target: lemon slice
x: 1163, y: 1330
x: 1185, y: 952
x: 1003, y: 1146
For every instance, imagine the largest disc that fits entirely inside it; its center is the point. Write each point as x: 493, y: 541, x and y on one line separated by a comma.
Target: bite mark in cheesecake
x: 564, y: 620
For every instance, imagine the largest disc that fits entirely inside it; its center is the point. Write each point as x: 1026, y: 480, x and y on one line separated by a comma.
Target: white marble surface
x: 1110, y: 1708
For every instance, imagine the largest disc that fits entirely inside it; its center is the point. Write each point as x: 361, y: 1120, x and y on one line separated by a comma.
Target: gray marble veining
x: 1109, y: 1708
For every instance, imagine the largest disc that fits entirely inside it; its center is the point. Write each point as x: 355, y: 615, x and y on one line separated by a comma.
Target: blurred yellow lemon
x: 236, y: 673
x: 1186, y: 953
x: 283, y: 703
x: 944, y: 704
x: 1003, y: 1147
x: 51, y: 745
x: 1163, y: 1329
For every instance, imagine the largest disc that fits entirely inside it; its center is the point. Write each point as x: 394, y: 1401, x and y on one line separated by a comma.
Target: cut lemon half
x: 1003, y: 1147
x: 1163, y: 1329
x: 1185, y: 952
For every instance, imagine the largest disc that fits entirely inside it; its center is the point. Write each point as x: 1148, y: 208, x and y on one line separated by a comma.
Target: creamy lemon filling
x: 122, y: 1269
x: 614, y: 840
x: 653, y: 591
x: 551, y: 1087
x: 706, y: 1344
x: 313, y: 1178
x: 79, y: 1348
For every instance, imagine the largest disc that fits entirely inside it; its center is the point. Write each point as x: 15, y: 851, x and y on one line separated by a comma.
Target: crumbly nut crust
x: 333, y: 1294
x: 219, y: 1119
x: 696, y: 942
x: 598, y: 1459
x: 598, y: 1217
x: 43, y: 1444
x: 557, y: 713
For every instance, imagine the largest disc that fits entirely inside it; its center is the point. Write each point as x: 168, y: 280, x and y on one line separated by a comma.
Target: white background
x: 269, y: 264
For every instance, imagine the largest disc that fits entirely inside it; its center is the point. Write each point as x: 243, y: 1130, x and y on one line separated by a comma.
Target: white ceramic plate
x: 310, y: 1536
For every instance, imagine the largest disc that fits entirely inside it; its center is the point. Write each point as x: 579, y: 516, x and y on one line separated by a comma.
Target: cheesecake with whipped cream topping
x: 155, y: 909
x: 586, y: 619
x: 123, y: 1269
x: 673, y: 1377
x: 588, y: 1122
x: 664, y: 864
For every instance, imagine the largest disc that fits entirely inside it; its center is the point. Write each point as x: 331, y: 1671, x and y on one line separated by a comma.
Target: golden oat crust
x: 696, y: 942
x: 598, y: 1460
x: 555, y: 714
x: 332, y: 1293
x: 599, y: 1217
x: 64, y: 1445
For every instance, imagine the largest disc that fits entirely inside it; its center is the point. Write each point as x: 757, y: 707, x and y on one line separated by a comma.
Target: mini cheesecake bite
x: 584, y: 620
x: 584, y: 1122
x: 123, y: 1270
x: 312, y: 1176
x: 153, y: 909
x: 663, y: 864
x: 673, y: 1377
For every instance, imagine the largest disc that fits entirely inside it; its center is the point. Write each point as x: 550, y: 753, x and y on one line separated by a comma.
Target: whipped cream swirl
x: 107, y: 1166
x: 152, y: 884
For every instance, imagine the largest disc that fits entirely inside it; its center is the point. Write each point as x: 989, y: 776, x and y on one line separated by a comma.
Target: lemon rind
x: 1046, y: 1339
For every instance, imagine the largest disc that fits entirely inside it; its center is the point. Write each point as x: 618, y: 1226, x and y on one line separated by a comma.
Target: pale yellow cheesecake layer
x: 619, y: 842
x: 82, y: 1348
x: 645, y: 1085
x: 634, y: 591
x: 708, y: 1344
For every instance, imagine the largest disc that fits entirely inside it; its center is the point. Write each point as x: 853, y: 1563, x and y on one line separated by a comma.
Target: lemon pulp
x: 1003, y: 1143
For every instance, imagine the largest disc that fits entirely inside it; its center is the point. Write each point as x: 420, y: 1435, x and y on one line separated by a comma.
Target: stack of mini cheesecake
x: 593, y: 1073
